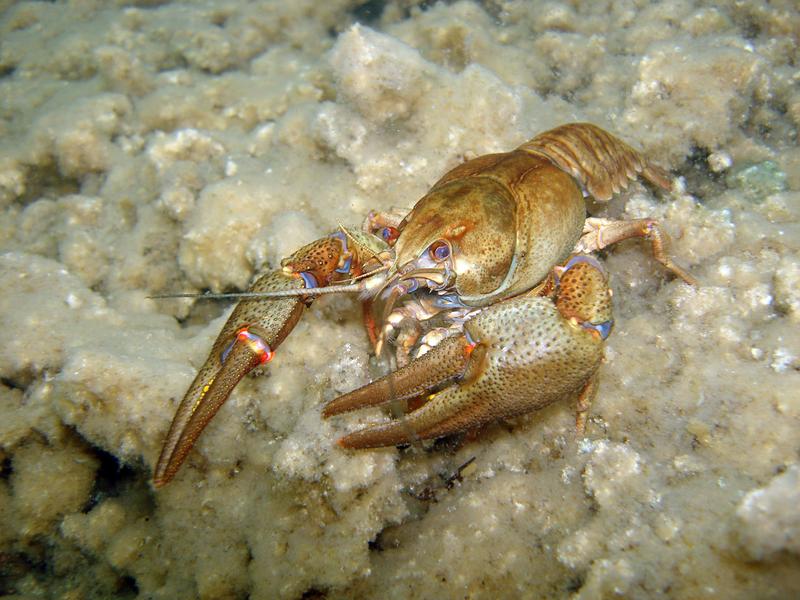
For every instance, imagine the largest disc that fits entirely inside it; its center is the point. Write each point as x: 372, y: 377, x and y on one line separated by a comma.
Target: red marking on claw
x: 258, y: 345
x: 469, y: 348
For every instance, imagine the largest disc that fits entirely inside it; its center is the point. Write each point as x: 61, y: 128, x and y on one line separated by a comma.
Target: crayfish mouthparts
x: 498, y: 252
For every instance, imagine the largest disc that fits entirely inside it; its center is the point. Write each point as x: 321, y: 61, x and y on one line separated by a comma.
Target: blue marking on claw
x: 224, y: 354
x: 584, y: 258
x: 345, y: 268
x: 468, y: 337
x: 309, y: 280
x: 340, y: 235
x: 579, y: 258
x: 604, y: 328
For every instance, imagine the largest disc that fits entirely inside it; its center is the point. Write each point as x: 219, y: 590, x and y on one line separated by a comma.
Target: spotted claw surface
x: 249, y: 338
x: 253, y: 332
x: 513, y: 357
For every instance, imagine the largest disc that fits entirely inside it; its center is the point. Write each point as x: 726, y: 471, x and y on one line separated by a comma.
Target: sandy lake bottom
x: 153, y: 147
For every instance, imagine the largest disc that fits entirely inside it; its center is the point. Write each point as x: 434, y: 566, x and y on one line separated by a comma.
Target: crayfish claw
x: 442, y: 365
x: 248, y: 339
x: 513, y: 357
x: 257, y: 326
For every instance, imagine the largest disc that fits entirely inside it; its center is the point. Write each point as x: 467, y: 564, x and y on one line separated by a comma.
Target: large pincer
x: 512, y: 358
x: 249, y: 339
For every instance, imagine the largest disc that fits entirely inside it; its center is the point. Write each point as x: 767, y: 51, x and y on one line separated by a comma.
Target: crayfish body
x: 496, y: 253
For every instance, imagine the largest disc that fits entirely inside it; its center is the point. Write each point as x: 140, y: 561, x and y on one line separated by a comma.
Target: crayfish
x: 486, y: 288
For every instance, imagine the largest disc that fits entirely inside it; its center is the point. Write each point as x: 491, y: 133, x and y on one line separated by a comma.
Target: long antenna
x: 350, y: 288
x: 331, y: 289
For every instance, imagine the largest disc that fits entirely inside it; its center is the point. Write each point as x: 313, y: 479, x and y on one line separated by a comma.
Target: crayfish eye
x: 439, y: 250
x: 390, y: 234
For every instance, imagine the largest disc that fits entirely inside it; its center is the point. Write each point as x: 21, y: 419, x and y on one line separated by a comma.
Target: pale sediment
x: 188, y: 146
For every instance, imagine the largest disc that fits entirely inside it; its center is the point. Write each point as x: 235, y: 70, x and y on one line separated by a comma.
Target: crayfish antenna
x: 357, y: 286
x: 332, y: 289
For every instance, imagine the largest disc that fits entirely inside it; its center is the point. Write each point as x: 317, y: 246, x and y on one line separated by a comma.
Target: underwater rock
x: 178, y: 147
x: 758, y: 181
